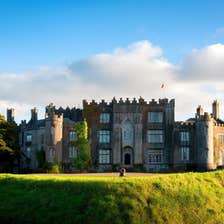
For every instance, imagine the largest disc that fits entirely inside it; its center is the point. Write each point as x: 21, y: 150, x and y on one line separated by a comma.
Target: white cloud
x: 137, y: 70
x: 205, y: 64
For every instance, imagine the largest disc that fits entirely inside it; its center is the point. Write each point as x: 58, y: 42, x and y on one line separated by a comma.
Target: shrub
x: 54, y: 169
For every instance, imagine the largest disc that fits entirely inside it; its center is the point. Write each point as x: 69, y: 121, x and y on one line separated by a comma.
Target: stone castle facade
x: 130, y: 133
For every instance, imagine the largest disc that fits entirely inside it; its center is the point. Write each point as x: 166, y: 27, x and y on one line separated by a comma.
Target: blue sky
x: 55, y: 32
x: 63, y: 51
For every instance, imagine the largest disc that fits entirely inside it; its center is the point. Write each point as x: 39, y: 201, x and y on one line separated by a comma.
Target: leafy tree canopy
x: 2, y: 118
x: 9, y: 147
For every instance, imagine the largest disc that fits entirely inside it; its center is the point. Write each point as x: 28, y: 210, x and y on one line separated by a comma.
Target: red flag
x: 162, y: 86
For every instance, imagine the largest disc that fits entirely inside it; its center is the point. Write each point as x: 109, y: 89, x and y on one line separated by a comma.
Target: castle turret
x: 34, y: 114
x: 50, y: 110
x: 199, y: 111
x: 53, y: 135
x: 215, y: 109
x: 10, y: 115
x: 204, y: 141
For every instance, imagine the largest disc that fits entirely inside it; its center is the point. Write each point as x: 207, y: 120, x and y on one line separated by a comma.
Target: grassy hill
x: 171, y: 198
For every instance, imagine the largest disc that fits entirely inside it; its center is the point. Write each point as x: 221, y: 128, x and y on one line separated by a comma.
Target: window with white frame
x: 184, y: 136
x: 155, y: 117
x: 72, y: 136
x: 104, y: 156
x: 184, y: 151
x: 72, y: 152
x: 28, y: 152
x: 28, y: 138
x: 155, y: 157
x: 104, y: 136
x: 104, y: 118
x: 155, y: 136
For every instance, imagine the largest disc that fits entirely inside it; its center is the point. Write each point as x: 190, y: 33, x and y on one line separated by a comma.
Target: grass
x: 172, y: 198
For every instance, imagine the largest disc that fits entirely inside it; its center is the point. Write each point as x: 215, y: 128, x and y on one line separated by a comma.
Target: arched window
x: 127, y: 134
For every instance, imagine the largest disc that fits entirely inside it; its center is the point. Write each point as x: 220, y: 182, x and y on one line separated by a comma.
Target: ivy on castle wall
x: 83, y: 159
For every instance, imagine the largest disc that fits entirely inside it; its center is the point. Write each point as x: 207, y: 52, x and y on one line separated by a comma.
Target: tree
x: 83, y: 159
x: 9, y: 148
x: 2, y: 118
x: 40, y: 156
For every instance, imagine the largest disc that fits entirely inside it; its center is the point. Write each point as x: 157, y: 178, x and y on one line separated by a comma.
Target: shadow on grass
x: 181, y: 198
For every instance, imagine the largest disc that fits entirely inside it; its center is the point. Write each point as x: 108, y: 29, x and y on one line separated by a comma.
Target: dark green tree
x: 9, y: 147
x: 83, y: 159
x: 41, y: 160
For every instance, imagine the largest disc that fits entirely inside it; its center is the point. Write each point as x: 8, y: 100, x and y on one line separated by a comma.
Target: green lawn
x: 171, y: 198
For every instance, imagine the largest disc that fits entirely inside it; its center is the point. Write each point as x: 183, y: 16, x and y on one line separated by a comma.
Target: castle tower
x: 10, y: 115
x: 199, y: 111
x: 34, y: 114
x: 53, y: 135
x: 50, y: 110
x: 215, y: 109
x: 204, y: 141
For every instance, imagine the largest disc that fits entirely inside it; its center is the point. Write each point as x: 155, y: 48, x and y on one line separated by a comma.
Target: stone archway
x: 128, y: 156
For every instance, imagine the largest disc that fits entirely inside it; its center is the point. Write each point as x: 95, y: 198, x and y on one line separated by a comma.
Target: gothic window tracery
x: 127, y: 134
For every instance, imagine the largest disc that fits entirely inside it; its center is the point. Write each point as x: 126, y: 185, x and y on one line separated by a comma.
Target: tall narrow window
x: 104, y: 118
x: 52, y: 152
x: 29, y: 138
x: 72, y: 152
x: 42, y: 139
x: 156, y: 117
x: 104, y: 136
x: 72, y: 136
x: 104, y: 156
x: 155, y: 136
x: 155, y: 157
x: 127, y: 134
x: 184, y: 136
x: 28, y: 152
x: 184, y: 153
x: 52, y: 130
x: 221, y: 138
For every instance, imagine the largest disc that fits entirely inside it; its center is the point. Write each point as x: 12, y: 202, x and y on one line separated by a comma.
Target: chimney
x: 34, y: 113
x: 215, y: 109
x: 200, y: 111
x: 10, y: 115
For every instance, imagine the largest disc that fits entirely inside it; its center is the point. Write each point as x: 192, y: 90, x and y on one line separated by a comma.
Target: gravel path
x: 113, y: 174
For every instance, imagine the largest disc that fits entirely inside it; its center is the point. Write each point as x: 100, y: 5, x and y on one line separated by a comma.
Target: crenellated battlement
x: 72, y: 113
x: 127, y: 101
x: 184, y: 124
x: 205, y: 117
x: 56, y: 116
x: 219, y: 125
x: 23, y: 122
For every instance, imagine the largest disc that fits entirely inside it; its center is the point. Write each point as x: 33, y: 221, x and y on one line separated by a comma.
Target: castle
x: 130, y: 133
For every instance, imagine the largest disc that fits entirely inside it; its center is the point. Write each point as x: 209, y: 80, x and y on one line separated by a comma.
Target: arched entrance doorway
x: 127, y: 159
x: 127, y: 156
